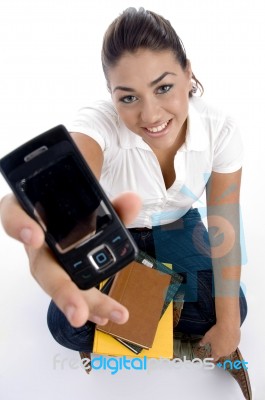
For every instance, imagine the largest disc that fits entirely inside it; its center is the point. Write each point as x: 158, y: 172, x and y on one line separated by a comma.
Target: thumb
x: 18, y: 224
x: 204, y: 341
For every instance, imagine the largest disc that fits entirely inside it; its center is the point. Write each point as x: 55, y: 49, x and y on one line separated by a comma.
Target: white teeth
x: 158, y: 128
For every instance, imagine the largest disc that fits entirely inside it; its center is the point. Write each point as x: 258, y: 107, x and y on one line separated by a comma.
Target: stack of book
x: 147, y: 288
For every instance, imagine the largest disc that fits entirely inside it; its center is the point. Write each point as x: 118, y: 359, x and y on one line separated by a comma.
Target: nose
x: 150, y: 111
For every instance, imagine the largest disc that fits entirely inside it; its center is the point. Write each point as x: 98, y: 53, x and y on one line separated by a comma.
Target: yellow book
x: 162, y: 345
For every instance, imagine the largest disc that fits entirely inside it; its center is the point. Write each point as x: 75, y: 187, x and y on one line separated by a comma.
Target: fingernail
x: 26, y: 235
x: 69, y: 312
x: 116, y: 316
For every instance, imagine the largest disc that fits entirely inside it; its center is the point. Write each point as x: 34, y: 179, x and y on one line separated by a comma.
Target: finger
x: 104, y: 308
x: 77, y: 305
x: 127, y: 206
x: 215, y: 357
x: 205, y: 340
x: 18, y: 224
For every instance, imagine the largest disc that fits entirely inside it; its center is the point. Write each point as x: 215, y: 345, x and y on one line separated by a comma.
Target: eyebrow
x: 157, y: 80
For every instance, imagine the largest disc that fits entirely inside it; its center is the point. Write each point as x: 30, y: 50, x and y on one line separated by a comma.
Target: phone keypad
x: 98, y: 261
x: 101, y: 257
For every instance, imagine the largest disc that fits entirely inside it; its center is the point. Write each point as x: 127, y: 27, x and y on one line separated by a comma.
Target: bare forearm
x: 224, y: 227
x: 227, y: 272
x: 227, y: 298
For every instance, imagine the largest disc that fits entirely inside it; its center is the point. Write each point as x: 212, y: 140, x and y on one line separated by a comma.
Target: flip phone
x: 55, y: 186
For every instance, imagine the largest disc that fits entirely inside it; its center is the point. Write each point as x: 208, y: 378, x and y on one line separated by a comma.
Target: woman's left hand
x: 223, y: 339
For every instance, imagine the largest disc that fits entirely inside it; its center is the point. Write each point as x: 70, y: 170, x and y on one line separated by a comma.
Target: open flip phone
x: 56, y: 187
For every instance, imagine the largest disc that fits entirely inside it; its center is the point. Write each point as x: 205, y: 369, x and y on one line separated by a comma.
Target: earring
x: 194, y: 89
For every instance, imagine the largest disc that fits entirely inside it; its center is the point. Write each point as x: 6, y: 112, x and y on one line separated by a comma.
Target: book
x: 173, y: 292
x: 175, y: 282
x: 162, y: 346
x: 163, y: 342
x: 143, y: 291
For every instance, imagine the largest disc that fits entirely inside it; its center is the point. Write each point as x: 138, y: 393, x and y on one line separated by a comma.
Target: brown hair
x: 135, y: 29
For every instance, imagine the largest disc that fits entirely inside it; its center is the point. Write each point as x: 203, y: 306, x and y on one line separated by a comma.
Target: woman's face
x: 150, y: 91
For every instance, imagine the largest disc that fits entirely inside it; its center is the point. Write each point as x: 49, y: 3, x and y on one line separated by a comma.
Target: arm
x: 222, y: 195
x: 78, y: 305
x: 91, y: 151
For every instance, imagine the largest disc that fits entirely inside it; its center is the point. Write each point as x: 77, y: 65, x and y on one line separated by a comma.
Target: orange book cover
x: 142, y: 290
x: 162, y: 346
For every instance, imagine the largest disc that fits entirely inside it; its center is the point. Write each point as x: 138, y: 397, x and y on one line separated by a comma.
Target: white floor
x: 28, y: 352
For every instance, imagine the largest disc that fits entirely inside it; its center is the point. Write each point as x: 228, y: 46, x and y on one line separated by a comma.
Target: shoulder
x: 215, y: 132
x: 223, y: 135
x: 216, y: 122
x: 208, y: 113
x: 100, y: 110
x: 99, y: 120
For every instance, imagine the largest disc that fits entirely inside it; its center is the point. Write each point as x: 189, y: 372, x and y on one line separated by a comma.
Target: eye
x: 164, y: 89
x: 128, y: 99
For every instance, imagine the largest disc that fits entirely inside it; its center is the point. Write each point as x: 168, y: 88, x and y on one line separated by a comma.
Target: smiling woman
x: 160, y: 141
x: 155, y: 105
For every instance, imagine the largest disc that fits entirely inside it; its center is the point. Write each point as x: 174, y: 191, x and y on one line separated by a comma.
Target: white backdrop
x: 50, y: 66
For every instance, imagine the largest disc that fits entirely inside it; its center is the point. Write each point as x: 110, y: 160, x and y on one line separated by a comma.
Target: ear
x: 188, y: 69
x: 108, y: 87
x: 189, y: 74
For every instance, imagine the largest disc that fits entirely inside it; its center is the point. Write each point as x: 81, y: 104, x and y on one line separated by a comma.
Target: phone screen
x: 65, y: 203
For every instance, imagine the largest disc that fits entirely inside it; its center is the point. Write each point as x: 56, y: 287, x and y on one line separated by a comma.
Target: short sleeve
x: 228, y: 151
x: 98, y: 121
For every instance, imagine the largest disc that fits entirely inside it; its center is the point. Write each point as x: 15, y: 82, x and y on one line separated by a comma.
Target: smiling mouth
x: 158, y: 128
x: 157, y: 131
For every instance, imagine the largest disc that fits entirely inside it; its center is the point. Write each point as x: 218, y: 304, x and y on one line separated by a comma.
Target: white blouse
x: 213, y: 143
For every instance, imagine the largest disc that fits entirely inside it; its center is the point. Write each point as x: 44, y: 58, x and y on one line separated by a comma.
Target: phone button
x: 78, y: 265
x: 116, y: 240
x: 124, y: 249
x: 101, y: 257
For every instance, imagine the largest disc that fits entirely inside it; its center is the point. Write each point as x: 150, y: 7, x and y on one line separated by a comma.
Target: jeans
x: 184, y: 244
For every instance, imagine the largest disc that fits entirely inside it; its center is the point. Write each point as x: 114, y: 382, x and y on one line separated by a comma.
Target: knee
x: 73, y: 338
x: 55, y: 319
x: 57, y: 324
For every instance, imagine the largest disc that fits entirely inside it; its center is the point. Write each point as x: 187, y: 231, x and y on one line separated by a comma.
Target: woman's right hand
x: 77, y: 305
